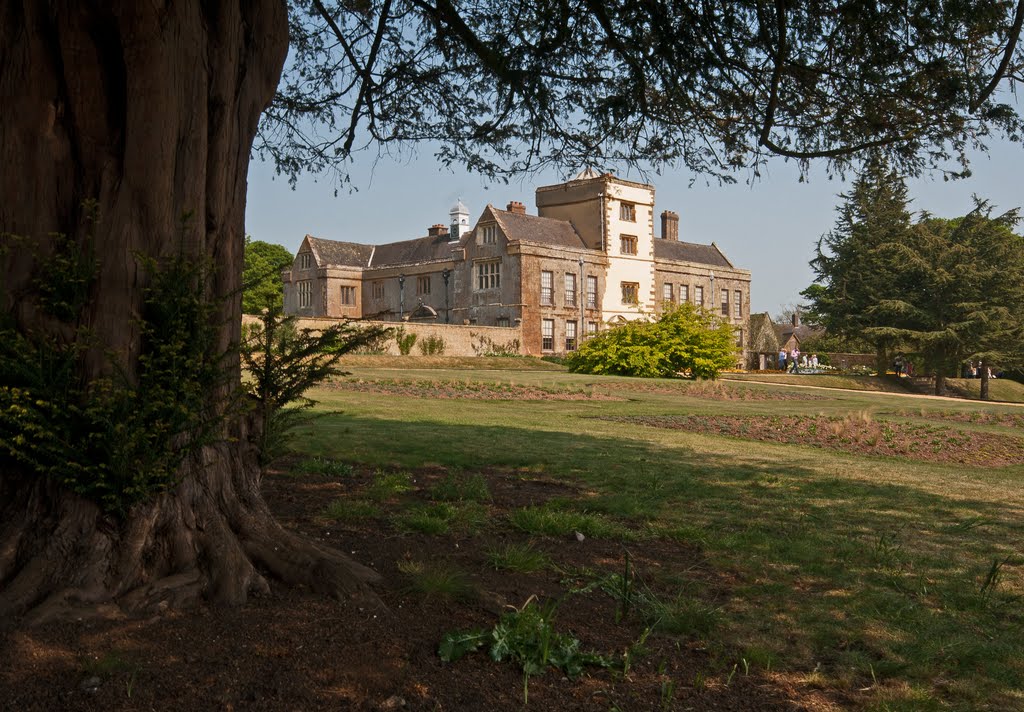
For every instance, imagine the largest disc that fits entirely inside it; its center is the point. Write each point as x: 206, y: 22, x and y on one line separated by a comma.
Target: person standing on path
x: 782, y: 359
x: 794, y: 355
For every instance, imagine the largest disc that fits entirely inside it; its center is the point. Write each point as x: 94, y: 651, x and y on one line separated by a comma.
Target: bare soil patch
x: 709, y: 390
x: 462, y: 390
x: 861, y: 435
x: 293, y: 650
x: 1013, y: 420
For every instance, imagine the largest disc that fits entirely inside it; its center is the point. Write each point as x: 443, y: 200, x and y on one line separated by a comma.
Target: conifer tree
x: 964, y: 292
x: 852, y: 265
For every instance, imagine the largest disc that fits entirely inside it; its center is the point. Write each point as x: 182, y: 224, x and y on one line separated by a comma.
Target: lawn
x: 663, y: 544
x: 875, y: 579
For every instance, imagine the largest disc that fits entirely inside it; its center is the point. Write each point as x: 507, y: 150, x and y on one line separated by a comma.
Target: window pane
x: 547, y: 288
x: 547, y: 334
x: 630, y: 292
x: 570, y: 289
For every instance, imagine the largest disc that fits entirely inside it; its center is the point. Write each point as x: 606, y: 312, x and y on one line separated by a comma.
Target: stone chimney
x: 796, y: 317
x: 516, y: 207
x: 670, y: 226
x: 438, y: 230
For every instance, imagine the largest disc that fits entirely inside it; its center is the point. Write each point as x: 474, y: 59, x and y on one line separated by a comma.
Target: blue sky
x: 769, y: 227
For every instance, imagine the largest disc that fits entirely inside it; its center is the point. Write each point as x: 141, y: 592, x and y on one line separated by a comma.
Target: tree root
x: 212, y: 538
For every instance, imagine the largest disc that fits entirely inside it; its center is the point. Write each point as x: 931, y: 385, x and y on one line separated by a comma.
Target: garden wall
x: 459, y: 339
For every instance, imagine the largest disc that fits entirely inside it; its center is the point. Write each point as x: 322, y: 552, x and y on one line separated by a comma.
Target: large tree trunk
x: 150, y: 109
x: 983, y: 373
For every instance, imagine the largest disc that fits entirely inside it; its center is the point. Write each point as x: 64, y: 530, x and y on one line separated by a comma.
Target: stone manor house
x: 588, y: 259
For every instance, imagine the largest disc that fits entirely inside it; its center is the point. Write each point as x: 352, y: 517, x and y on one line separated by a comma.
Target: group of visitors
x: 973, y: 370
x: 902, y: 366
x: 793, y: 360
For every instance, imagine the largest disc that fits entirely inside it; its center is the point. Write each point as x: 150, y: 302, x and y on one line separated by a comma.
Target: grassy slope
x: 1000, y: 390
x: 848, y: 572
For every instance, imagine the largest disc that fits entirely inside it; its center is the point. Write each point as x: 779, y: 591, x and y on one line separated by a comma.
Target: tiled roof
x: 407, y: 252
x: 538, y: 230
x: 689, y: 252
x: 340, y: 254
x: 350, y: 254
x: 784, y: 331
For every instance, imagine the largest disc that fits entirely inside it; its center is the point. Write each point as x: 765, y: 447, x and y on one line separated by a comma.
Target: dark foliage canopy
x: 715, y: 86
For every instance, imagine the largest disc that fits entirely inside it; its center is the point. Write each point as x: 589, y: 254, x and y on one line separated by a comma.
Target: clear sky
x: 769, y: 227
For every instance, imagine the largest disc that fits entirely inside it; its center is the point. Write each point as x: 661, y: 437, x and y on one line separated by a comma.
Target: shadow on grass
x: 867, y: 582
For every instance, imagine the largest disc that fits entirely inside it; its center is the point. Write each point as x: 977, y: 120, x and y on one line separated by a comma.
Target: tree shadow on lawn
x: 875, y: 577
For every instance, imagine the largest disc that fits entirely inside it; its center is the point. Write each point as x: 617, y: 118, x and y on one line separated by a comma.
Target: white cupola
x: 459, y: 220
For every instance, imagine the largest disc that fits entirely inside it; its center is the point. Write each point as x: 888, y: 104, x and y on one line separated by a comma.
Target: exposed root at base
x: 209, y: 539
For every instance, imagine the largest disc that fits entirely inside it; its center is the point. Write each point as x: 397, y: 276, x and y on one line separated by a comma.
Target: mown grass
x: 895, y: 581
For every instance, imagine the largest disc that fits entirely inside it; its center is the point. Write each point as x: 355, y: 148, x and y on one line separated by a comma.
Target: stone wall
x: 459, y: 340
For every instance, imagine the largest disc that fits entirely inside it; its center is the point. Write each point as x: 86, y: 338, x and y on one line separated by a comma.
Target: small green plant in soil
x: 527, y: 637
x: 323, y: 466
x: 441, y: 517
x: 351, y: 510
x: 388, y: 485
x: 549, y: 520
x: 436, y: 580
x: 460, y: 487
x: 520, y: 558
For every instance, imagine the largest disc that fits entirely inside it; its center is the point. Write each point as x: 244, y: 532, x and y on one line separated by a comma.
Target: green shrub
x: 117, y: 440
x: 405, y: 341
x: 432, y: 346
x: 284, y: 361
x: 685, y: 339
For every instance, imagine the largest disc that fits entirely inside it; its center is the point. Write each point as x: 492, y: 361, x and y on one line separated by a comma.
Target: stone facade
x: 587, y: 260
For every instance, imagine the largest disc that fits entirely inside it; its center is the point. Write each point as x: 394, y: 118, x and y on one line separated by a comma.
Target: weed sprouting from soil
x: 519, y: 558
x: 436, y: 580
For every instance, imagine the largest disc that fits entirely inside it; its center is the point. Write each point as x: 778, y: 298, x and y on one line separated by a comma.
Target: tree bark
x: 150, y: 109
x: 881, y: 360
x: 983, y: 374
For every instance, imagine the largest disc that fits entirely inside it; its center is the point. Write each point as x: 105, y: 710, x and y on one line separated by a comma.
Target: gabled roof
x: 677, y: 251
x: 533, y: 229
x: 802, y: 332
x: 332, y: 253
